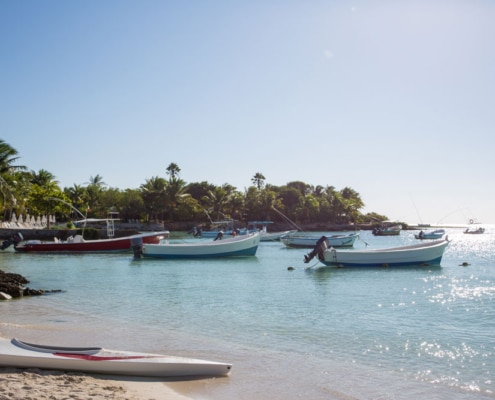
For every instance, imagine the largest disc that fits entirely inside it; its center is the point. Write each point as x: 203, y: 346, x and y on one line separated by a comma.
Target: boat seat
x: 55, y: 349
x: 78, y: 239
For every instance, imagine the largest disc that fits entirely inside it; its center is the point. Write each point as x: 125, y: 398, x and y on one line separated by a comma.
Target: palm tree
x: 96, y: 181
x: 9, y: 174
x: 42, y: 178
x: 258, y: 180
x: 153, y: 194
x: 173, y: 170
x: 218, y: 199
x: 175, y: 193
x: 8, y: 156
x: 95, y: 188
x: 79, y: 196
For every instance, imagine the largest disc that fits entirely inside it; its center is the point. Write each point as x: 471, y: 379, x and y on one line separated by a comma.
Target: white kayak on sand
x: 18, y: 354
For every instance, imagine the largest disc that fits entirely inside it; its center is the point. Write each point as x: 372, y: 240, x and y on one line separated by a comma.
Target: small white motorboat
x: 18, y: 354
x: 226, y: 227
x: 303, y: 240
x: 422, y: 254
x: 274, y: 236
x: 477, y: 231
x: 262, y: 227
x: 243, y: 245
x: 387, y: 230
x: 436, y: 234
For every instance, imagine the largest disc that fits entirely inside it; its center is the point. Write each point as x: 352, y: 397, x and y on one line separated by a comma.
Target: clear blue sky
x: 395, y: 99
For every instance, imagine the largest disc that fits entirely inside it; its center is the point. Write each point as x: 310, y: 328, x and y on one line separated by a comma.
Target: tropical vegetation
x: 169, y: 198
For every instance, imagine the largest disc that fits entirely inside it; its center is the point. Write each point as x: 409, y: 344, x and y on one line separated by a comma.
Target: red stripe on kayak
x: 100, y: 358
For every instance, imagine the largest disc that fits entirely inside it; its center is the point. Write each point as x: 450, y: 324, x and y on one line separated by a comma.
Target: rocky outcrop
x: 13, y: 286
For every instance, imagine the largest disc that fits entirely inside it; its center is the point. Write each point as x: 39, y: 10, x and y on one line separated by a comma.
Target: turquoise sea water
x: 321, y: 333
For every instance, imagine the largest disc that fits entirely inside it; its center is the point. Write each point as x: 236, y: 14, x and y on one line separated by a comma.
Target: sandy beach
x: 26, y: 384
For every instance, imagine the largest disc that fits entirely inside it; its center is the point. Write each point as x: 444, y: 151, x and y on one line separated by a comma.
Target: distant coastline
x: 126, y: 229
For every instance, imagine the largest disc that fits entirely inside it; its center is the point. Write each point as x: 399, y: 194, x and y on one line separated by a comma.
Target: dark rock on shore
x: 13, y: 285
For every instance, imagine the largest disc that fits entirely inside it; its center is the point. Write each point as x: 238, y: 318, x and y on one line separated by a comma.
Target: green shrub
x: 88, y: 233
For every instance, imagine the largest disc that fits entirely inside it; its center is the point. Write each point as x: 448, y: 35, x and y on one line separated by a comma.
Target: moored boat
x: 387, y: 230
x: 225, y: 227
x: 477, y: 231
x: 422, y: 254
x: 19, y: 354
x: 262, y: 227
x: 77, y: 244
x: 243, y: 245
x: 274, y: 236
x: 303, y: 240
x: 435, y: 234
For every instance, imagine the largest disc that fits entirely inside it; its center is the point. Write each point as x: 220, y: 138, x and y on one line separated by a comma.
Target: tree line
x: 172, y: 199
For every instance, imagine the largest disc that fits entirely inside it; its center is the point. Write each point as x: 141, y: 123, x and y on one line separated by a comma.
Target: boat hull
x: 305, y: 241
x: 386, y: 232
x: 123, y: 244
x: 245, y: 245
x: 426, y: 253
x: 14, y: 353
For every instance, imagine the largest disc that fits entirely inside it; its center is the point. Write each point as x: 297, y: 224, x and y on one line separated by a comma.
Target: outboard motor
x: 6, y: 244
x: 319, y: 249
x: 137, y: 246
x: 17, y: 237
x: 14, y: 240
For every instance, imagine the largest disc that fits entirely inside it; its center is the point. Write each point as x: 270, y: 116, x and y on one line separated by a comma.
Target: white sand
x: 35, y: 384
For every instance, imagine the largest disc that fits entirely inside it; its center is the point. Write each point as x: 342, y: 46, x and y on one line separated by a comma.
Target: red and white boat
x: 77, y: 244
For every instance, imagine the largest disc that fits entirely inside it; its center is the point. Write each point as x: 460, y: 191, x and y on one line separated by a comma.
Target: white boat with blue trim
x: 225, y: 227
x: 241, y: 245
x: 304, y: 240
x: 435, y: 234
x: 262, y: 227
x: 18, y: 354
x: 425, y: 253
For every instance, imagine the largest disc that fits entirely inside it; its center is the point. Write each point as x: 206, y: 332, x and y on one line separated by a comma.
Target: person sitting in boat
x: 196, y: 231
x: 219, y: 236
x: 421, y: 234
